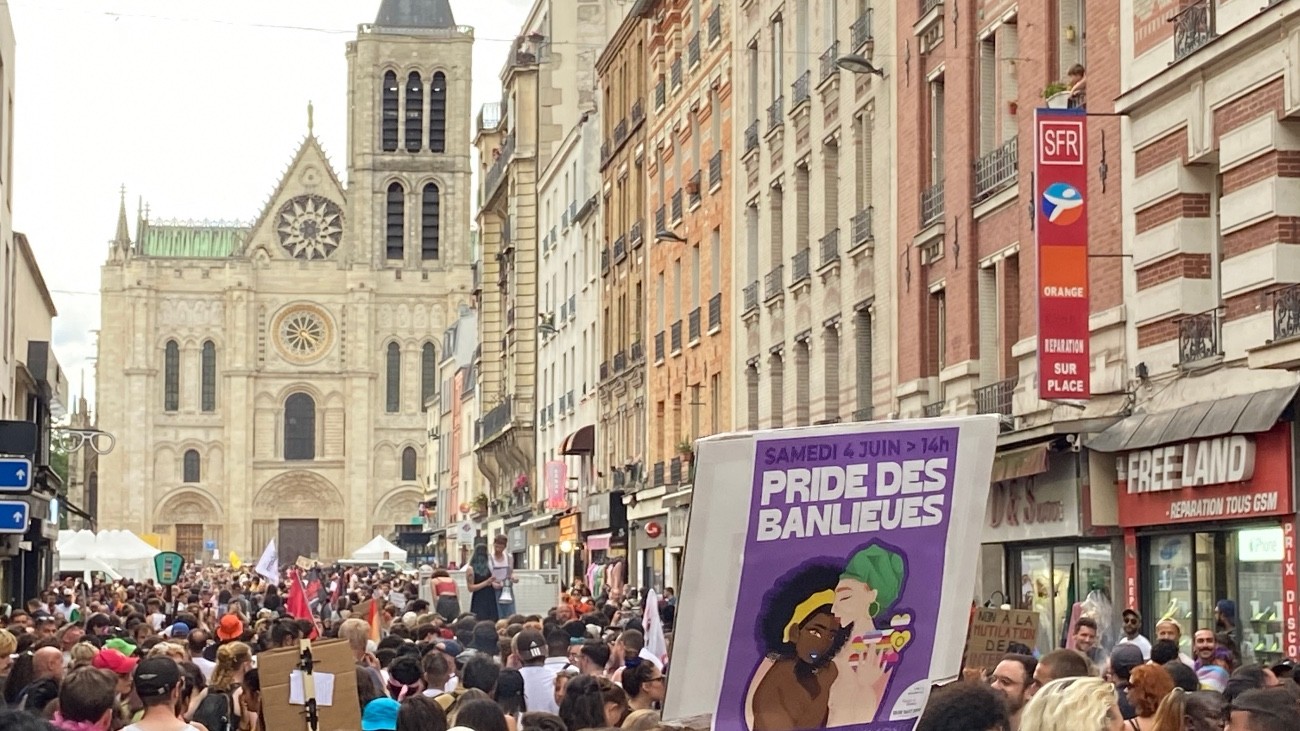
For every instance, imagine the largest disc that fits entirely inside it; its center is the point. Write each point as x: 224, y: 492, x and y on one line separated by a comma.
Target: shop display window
x: 1064, y: 583
x: 652, y: 563
x: 1259, y: 582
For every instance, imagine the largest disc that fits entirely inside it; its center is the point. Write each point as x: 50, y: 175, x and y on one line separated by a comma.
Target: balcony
x: 606, y: 151
x: 620, y: 133
x: 715, y: 171
x: 932, y: 205
x: 693, y: 192
x: 715, y: 24
x: 675, y: 471
x: 498, y: 169
x: 828, y: 61
x: 638, y: 353
x: 800, y: 90
x: 676, y: 337
x: 1193, y: 28
x: 997, y: 169
x: 1286, y: 313
x: 495, y: 421
x: 861, y: 32
x: 619, y: 479
x: 929, y: 411
x: 659, y: 345
x: 995, y: 398
x: 636, y: 236
x: 776, y: 115
x: 693, y: 326
x: 620, y: 249
x: 751, y: 137
x: 573, y: 307
x: 1198, y: 338
x: 1078, y: 100
x: 659, y: 94
x: 677, y: 206
x: 715, y: 312
x: 638, y: 112
x: 800, y: 267
x: 774, y: 283
x: 564, y: 312
x: 928, y: 5
x: 573, y: 404
x: 751, y: 296
x: 604, y: 260
x: 863, y: 414
x: 675, y: 73
x: 660, y: 219
x: 620, y: 362
x: 693, y: 51
x: 659, y: 474
x: 862, y: 226
x: 604, y: 371
x: 830, y: 246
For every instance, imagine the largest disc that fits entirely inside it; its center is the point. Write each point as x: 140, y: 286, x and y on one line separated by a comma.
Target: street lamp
x: 853, y: 63
x: 666, y: 235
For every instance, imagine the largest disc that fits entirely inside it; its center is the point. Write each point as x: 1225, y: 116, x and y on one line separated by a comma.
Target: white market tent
x: 76, y: 554
x: 379, y: 549
x: 119, y: 551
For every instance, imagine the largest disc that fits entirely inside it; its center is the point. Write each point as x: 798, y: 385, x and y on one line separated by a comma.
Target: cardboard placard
x: 992, y: 630
x: 329, y: 656
x: 304, y: 563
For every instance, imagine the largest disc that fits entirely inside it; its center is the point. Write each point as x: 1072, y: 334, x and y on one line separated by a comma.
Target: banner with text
x: 1061, y: 228
x: 994, y: 632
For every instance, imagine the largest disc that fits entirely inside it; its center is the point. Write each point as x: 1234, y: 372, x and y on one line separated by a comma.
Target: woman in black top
x: 482, y: 587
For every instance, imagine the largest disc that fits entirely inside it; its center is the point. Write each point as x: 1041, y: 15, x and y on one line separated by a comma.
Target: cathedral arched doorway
x: 191, y: 517
x: 302, y: 511
x: 398, y: 507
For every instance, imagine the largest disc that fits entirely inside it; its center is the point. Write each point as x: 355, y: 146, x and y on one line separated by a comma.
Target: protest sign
x: 854, y: 566
x: 275, y: 669
x: 992, y: 630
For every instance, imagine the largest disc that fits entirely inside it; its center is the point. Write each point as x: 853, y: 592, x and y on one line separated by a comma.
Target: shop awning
x: 598, y: 542
x: 539, y: 521
x: 1017, y: 463
x: 1248, y: 413
x: 582, y: 441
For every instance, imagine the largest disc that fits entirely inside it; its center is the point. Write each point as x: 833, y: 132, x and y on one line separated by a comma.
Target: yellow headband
x: 805, y: 608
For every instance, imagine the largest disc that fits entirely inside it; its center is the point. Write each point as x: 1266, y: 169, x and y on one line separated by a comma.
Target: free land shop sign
x: 1233, y: 476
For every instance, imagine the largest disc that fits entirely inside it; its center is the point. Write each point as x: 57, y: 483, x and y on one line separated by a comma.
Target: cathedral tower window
x: 208, y: 377
x: 414, y: 112
x: 438, y: 113
x: 299, y: 427
x: 396, y: 221
x: 190, y: 466
x: 428, y: 374
x: 408, y: 464
x: 172, y: 376
x: 390, y: 111
x: 393, y: 373
x: 429, y: 218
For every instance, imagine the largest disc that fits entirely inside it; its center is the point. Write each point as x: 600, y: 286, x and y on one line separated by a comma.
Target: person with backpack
x: 158, y: 683
x: 225, y: 707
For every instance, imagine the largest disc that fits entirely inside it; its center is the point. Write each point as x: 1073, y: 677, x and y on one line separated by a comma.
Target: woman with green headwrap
x: 871, y: 583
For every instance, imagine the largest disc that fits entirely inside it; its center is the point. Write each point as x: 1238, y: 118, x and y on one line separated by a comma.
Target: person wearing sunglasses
x: 644, y: 683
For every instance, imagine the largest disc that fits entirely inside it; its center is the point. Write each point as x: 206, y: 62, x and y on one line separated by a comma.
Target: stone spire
x: 415, y: 14
x: 122, y: 239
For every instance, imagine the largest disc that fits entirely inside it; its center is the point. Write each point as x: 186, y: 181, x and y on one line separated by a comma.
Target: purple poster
x: 841, y: 581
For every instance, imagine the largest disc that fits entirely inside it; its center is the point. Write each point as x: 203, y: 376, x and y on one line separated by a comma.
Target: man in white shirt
x: 1169, y: 629
x: 1133, y: 633
x: 539, y: 679
x: 197, y: 642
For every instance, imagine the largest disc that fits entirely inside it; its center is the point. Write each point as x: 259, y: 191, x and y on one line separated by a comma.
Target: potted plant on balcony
x: 481, y: 503
x: 1057, y: 95
x: 686, y: 449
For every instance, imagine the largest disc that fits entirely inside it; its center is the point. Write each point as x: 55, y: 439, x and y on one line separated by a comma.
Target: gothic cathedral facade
x: 267, y: 381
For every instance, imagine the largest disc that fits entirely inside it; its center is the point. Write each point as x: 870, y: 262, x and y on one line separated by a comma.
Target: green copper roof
x: 201, y: 240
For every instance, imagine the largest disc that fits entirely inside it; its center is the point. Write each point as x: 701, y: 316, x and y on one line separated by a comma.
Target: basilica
x: 267, y: 381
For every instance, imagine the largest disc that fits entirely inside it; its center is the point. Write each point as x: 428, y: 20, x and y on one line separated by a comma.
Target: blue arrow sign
x: 15, y: 474
x: 13, y: 516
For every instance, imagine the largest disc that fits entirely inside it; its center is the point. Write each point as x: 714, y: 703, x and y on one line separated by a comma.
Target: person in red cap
x: 121, y: 666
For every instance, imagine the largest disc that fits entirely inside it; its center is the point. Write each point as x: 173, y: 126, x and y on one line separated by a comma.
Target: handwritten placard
x: 992, y: 631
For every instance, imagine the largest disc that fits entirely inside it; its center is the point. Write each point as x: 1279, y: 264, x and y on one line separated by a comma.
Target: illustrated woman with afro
x: 798, y: 627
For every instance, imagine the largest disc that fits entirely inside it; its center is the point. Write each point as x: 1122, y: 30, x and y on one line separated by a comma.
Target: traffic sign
x: 15, y: 474
x: 168, y: 566
x: 13, y: 516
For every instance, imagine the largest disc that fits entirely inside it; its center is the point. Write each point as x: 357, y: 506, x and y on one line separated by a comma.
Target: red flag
x: 374, y: 620
x: 296, y: 604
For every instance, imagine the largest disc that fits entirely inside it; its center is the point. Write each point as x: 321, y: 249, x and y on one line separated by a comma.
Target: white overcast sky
x: 196, y: 106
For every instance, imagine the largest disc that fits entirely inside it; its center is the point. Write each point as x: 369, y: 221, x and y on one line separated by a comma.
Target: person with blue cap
x: 380, y: 715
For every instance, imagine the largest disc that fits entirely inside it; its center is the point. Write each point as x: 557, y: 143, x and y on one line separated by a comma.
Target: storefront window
x: 1061, y: 582
x: 652, y: 576
x: 1260, y: 582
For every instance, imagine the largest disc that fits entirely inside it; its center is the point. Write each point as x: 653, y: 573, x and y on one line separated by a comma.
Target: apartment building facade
x: 813, y: 197
x: 688, y: 136
x: 454, y: 480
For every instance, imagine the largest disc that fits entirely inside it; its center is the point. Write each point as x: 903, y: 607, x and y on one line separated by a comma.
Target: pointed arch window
x: 428, y: 374
x: 388, y: 124
x: 190, y: 466
x: 396, y: 221
x: 414, y: 112
x: 393, y: 373
x: 408, y: 464
x: 299, y: 427
x: 438, y: 113
x: 172, y: 376
x: 208, y: 377
x: 430, y: 202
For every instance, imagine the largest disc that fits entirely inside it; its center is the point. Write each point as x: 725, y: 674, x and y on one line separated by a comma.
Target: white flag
x: 655, y: 643
x: 269, y: 564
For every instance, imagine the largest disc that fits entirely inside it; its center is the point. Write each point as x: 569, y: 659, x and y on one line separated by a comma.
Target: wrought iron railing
x: 932, y: 410
x: 573, y: 306
x: 995, y: 398
x: 638, y: 112
x: 564, y: 219
x: 693, y: 51
x: 660, y: 94
x: 675, y: 471
x: 661, y: 222
x: 675, y: 73
x: 750, y: 294
x: 800, y: 90
x: 677, y: 205
x: 715, y: 310
x: 828, y: 60
x: 1286, y: 313
x: 862, y: 33
x: 1078, y: 100
x: 620, y: 249
x: 776, y: 114
x: 604, y: 260
x: 863, y: 414
x: 606, y: 152
x: 659, y: 345
x: 715, y: 23
x: 636, y: 235
x: 932, y: 204
x: 693, y: 192
x: 1193, y: 28
x: 620, y: 361
x: 862, y: 226
x: 659, y: 474
x: 997, y: 169
x: 715, y: 170
x: 604, y: 370
x: 928, y: 5
x: 751, y: 137
x: 693, y: 325
x: 498, y: 169
x: 573, y: 404
x: 675, y: 336
x: 1198, y: 337
x: 620, y: 132
x: 830, y: 246
x: 800, y: 266
x: 774, y: 282
x: 495, y: 420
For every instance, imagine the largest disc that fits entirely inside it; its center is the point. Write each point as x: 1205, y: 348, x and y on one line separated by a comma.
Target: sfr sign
x: 1060, y: 142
